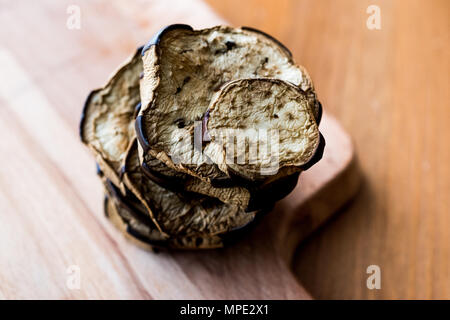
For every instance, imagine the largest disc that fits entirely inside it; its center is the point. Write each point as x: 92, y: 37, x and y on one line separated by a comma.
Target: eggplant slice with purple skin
x: 184, y: 69
x: 264, y: 113
x: 144, y: 236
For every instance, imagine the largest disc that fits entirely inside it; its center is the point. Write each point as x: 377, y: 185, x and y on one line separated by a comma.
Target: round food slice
x: 258, y: 127
x: 184, y: 69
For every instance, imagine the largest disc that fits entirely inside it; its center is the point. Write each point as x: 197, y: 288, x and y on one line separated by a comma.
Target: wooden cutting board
x: 52, y: 229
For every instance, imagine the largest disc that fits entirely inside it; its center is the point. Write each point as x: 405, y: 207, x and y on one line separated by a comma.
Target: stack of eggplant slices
x: 199, y: 133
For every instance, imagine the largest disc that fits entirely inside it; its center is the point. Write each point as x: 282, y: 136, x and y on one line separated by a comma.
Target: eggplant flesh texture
x: 269, y: 114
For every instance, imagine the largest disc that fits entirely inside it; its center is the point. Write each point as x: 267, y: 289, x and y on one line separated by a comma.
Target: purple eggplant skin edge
x: 84, y: 112
x: 157, y: 37
x: 318, y: 154
x: 137, y: 109
x: 319, y: 114
x: 138, y: 125
x: 105, y: 202
x: 98, y: 170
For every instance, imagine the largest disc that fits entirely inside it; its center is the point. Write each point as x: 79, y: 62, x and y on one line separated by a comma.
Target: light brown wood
x: 390, y: 89
x: 51, y: 215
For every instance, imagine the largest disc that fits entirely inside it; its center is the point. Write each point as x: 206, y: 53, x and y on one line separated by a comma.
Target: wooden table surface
x: 390, y: 90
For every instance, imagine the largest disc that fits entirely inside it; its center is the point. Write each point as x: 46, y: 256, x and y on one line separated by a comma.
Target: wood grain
x: 390, y: 89
x: 51, y: 215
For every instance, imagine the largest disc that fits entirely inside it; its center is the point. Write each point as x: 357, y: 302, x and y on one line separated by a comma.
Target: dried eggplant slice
x: 180, y: 182
x: 121, y: 214
x: 134, y: 222
x: 138, y: 233
x: 184, y: 68
x: 271, y: 118
x: 177, y: 216
x: 105, y: 126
